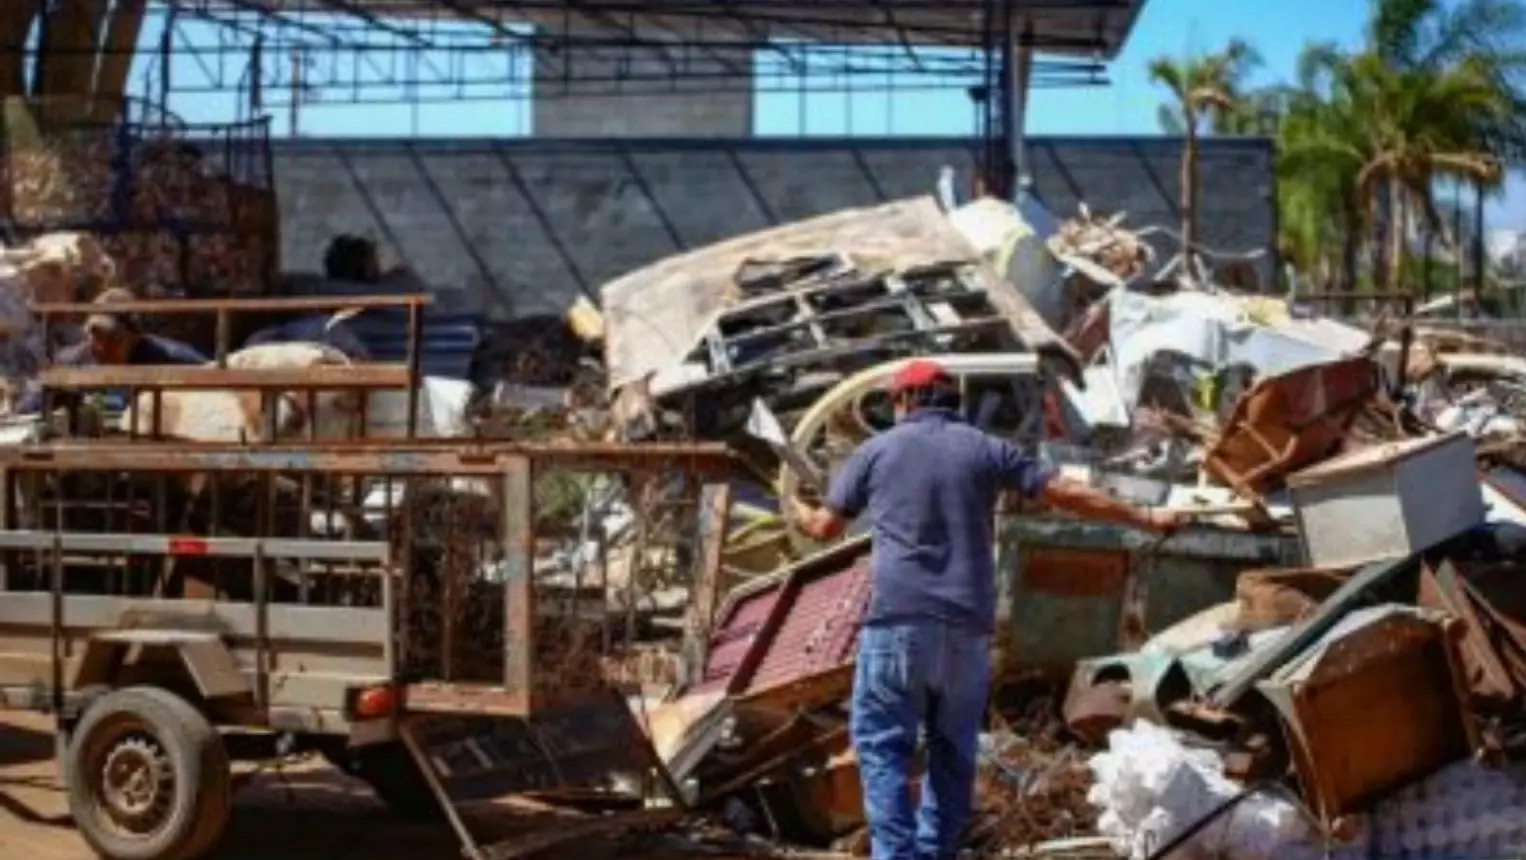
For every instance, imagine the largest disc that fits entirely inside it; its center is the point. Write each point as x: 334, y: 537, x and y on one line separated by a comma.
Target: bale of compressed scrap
x: 143, y: 188
x: 56, y: 267
x: 1103, y: 242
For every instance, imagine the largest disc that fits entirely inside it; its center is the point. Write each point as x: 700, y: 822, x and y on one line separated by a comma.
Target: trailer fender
x: 204, y: 655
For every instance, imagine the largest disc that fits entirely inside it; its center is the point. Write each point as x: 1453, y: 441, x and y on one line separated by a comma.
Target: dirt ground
x: 307, y: 813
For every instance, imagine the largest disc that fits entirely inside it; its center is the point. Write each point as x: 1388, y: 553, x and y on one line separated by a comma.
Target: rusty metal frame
x: 168, y: 378
x: 509, y: 469
x: 156, y: 380
x: 416, y: 457
x: 715, y: 514
x: 217, y: 547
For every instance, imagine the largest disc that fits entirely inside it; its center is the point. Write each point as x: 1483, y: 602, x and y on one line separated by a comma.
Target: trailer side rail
x: 376, y: 552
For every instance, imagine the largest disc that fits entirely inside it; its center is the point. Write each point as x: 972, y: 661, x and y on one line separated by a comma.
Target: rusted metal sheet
x: 1289, y: 421
x: 811, y: 691
x: 1163, y: 582
x: 1075, y: 572
x: 1279, y: 597
x: 818, y: 630
x: 1333, y: 700
x: 579, y: 745
x: 1489, y: 599
x: 793, y: 626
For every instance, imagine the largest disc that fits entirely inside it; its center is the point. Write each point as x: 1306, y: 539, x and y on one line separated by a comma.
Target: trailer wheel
x: 149, y: 778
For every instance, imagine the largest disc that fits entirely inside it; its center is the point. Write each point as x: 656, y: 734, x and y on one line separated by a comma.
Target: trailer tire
x: 149, y: 778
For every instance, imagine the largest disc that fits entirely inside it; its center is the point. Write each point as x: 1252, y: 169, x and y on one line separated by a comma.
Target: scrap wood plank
x: 369, y: 376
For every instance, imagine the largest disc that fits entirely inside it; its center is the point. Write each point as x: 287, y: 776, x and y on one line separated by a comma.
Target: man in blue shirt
x: 115, y: 339
x: 930, y: 485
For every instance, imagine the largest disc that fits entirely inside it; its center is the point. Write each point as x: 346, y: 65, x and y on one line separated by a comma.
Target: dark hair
x: 350, y: 258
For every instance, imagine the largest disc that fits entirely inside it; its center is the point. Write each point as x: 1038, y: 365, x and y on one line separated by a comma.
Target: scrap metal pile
x: 1353, y: 548
x: 1358, y: 520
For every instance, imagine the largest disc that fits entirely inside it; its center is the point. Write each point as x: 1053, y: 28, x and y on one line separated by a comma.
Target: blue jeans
x: 914, y: 676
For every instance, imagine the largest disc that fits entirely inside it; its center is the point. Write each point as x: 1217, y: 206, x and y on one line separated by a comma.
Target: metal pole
x: 166, y: 54
x: 257, y: 77
x: 296, y: 93
x: 1003, y: 99
x: 1017, y: 108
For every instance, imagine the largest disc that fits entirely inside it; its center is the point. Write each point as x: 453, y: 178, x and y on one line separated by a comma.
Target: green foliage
x: 1435, y: 94
x: 1207, y: 88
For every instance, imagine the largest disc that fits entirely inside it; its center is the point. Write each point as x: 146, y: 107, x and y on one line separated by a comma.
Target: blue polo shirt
x: 930, y: 485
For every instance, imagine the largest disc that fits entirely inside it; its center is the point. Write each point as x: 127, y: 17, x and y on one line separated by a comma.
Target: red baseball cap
x: 918, y: 373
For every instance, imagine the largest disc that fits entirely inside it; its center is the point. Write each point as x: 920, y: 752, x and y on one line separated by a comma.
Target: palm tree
x: 1320, y: 152
x: 1433, y: 95
x: 1487, y: 35
x: 1388, y: 133
x: 1202, y: 88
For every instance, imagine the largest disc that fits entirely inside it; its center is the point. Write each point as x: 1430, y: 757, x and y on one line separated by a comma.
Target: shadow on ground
x: 24, y: 745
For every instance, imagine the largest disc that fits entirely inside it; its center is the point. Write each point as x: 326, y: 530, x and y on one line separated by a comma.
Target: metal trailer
x: 177, y: 606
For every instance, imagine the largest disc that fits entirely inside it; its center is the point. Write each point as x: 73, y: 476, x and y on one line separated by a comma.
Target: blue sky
x: 1126, y: 105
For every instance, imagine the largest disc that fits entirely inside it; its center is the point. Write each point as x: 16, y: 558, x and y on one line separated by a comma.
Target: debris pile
x: 1310, y: 453
x: 1358, y: 501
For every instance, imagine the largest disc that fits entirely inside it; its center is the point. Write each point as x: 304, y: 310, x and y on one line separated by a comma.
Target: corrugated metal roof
x: 820, y: 631
x: 796, y: 625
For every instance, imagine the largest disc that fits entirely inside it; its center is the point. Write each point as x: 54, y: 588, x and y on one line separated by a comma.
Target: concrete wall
x: 626, y: 92
x: 521, y: 226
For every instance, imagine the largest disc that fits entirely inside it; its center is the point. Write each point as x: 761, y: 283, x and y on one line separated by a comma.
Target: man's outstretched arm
x: 1093, y: 504
x: 1024, y: 475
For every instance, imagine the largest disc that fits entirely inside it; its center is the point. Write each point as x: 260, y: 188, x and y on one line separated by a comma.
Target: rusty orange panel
x: 1070, y: 572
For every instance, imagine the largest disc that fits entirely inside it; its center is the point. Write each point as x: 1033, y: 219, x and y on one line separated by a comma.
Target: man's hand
x: 1163, y: 521
x: 799, y: 510
x: 819, y: 523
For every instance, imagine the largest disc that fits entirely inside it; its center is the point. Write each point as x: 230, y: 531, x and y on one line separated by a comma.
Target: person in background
x: 930, y: 486
x: 113, y: 339
x: 347, y: 258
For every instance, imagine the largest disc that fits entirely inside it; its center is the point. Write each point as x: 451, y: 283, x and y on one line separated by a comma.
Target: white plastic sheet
x: 1014, y: 240
x: 1150, y: 788
x: 1212, y: 330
